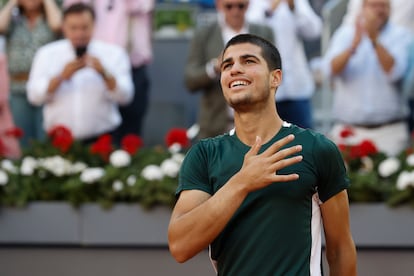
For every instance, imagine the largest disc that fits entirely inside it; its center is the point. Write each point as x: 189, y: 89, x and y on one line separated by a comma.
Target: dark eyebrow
x: 244, y: 57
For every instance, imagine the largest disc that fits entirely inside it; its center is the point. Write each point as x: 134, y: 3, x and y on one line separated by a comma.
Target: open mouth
x: 238, y: 83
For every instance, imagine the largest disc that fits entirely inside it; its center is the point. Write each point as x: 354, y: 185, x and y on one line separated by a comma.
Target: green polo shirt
x: 276, y: 230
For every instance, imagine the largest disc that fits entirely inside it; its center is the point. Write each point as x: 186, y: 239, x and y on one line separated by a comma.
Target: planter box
x: 377, y: 225
x: 58, y: 223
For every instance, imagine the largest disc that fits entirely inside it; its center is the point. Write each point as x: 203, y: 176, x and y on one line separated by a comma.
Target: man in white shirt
x: 295, y: 21
x: 367, y: 61
x: 80, y: 81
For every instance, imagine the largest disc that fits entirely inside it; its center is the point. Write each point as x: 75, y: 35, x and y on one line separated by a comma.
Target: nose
x: 237, y: 68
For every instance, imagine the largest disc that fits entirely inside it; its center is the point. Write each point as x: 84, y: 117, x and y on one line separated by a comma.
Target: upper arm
x: 335, y: 214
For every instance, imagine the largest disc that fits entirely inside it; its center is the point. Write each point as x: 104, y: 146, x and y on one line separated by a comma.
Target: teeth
x: 237, y: 83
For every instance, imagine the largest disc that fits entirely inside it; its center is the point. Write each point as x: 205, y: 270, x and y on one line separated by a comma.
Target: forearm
x: 194, y: 230
x: 53, y: 15
x: 6, y: 14
x: 384, y: 57
x: 343, y: 262
x: 339, y: 63
x: 54, y: 84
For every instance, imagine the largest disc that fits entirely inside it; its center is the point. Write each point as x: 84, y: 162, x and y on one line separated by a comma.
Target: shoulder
x: 103, y: 45
x: 262, y: 30
x: 207, y: 30
x: 313, y: 140
x: 61, y: 45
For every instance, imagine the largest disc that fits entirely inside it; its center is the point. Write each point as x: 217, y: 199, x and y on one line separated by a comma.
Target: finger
x: 286, y: 162
x: 278, y: 145
x: 282, y: 154
x: 255, y: 147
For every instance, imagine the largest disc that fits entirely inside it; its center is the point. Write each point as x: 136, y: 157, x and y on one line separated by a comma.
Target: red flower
x: 61, y: 137
x: 131, y: 143
x: 346, y: 132
x: 103, y: 146
x: 364, y: 148
x: 14, y: 132
x: 177, y: 135
x: 368, y: 148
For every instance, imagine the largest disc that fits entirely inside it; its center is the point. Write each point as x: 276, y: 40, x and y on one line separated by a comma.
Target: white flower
x: 29, y: 164
x: 56, y: 165
x: 8, y: 166
x: 4, y: 178
x: 410, y: 160
x: 90, y: 175
x: 120, y: 158
x: 193, y: 131
x: 131, y: 180
x: 78, y: 167
x: 152, y: 172
x: 174, y: 148
x: 388, y: 166
x: 178, y: 157
x: 170, y: 167
x: 117, y: 186
x: 405, y: 179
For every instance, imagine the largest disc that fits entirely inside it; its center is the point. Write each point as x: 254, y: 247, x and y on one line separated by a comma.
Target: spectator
x: 297, y: 21
x: 368, y: 60
x: 9, y: 146
x: 82, y: 85
x: 202, y: 67
x: 128, y: 23
x: 27, y: 25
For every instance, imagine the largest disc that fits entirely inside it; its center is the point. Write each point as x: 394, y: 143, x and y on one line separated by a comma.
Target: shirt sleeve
x: 39, y: 77
x: 120, y: 68
x: 194, y: 171
x: 330, y: 168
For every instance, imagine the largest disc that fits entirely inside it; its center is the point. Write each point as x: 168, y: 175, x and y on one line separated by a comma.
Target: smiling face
x: 245, y: 77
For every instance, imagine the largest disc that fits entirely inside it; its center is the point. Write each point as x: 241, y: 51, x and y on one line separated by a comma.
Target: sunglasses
x: 230, y: 6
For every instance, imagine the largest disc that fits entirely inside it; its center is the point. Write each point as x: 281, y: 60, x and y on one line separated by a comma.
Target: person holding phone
x: 81, y: 81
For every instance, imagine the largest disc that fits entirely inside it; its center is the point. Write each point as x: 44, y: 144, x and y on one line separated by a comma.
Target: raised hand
x: 260, y: 170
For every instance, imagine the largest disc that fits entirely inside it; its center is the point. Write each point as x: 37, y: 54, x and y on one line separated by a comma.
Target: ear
x: 275, y: 78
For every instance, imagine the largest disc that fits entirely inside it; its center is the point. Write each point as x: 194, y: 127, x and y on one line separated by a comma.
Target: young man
x: 79, y: 80
x: 257, y: 195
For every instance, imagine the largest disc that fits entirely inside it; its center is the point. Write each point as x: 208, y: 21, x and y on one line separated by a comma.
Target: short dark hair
x: 78, y: 8
x: 269, y: 51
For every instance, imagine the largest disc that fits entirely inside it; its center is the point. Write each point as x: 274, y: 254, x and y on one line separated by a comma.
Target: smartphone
x: 81, y: 50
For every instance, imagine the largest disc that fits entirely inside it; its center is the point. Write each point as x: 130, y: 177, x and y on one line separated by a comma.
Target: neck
x: 265, y: 124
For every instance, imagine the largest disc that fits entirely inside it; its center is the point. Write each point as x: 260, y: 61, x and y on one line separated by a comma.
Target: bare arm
x: 53, y: 15
x: 339, y: 62
x: 384, y: 57
x: 66, y: 74
x: 6, y: 14
x: 198, y: 218
x: 340, y: 247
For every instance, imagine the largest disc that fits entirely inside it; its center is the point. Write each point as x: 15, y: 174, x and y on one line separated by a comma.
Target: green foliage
x: 42, y: 184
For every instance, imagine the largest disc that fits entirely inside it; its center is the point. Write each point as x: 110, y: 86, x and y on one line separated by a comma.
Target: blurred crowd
x: 84, y: 64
